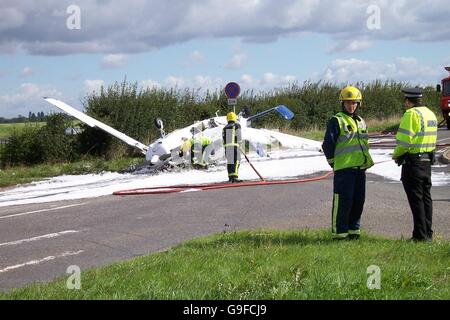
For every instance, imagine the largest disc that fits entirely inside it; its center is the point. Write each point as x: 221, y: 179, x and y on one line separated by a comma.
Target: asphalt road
x: 39, y: 242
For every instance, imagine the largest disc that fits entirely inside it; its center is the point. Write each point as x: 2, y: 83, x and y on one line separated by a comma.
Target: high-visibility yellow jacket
x: 203, y: 141
x: 417, y: 132
x: 352, y: 145
x: 197, y: 147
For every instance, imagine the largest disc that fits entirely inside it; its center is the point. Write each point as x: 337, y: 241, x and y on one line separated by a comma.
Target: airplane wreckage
x: 165, y: 151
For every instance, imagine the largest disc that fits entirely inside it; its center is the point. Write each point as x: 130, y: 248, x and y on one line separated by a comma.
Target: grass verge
x: 386, y: 125
x: 266, y: 265
x: 19, y: 175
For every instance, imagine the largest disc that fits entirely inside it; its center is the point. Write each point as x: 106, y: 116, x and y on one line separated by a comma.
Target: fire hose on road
x: 214, y: 186
x: 189, y: 188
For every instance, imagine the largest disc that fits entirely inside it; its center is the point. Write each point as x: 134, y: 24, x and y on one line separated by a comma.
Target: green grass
x: 386, y: 125
x: 266, y: 265
x: 22, y: 174
x: 7, y: 129
x: 313, y: 134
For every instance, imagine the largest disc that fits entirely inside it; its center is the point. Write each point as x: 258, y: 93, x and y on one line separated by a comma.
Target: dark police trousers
x: 416, y: 179
x: 348, y: 203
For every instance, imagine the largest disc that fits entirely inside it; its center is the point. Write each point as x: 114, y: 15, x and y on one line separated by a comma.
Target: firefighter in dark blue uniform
x: 346, y: 147
x: 232, y: 139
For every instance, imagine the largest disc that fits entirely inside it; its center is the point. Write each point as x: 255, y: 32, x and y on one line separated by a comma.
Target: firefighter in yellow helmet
x: 232, y: 139
x: 416, y: 144
x: 346, y: 147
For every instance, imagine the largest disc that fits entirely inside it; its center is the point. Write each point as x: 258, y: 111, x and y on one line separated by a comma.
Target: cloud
x: 350, y: 46
x: 27, y: 72
x: 237, y: 61
x: 93, y: 85
x: 150, y: 84
x: 197, y: 57
x: 28, y: 97
x: 203, y: 83
x: 139, y: 26
x: 112, y: 61
x: 268, y: 81
x: 406, y: 69
x: 199, y: 82
x: 11, y: 18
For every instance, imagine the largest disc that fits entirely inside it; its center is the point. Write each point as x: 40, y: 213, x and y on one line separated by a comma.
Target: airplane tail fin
x: 281, y: 109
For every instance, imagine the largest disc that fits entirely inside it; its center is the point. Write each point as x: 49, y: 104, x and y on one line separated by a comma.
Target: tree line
x: 32, y: 117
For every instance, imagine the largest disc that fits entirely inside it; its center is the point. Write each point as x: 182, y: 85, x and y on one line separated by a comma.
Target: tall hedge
x: 47, y: 144
x: 132, y: 110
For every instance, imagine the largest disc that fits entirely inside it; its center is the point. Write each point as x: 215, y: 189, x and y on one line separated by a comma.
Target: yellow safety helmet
x: 231, y: 117
x: 350, y: 93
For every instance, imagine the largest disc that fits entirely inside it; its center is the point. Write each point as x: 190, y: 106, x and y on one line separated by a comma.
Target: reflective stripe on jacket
x: 231, y: 135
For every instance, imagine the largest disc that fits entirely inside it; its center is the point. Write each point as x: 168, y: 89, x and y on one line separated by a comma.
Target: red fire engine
x: 445, y: 98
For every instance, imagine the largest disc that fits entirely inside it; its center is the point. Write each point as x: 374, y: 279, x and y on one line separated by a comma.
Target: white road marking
x: 443, y: 140
x: 45, y: 236
x: 35, y: 262
x: 42, y: 210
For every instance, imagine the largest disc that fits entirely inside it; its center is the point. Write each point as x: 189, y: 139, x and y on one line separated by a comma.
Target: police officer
x: 346, y: 147
x: 232, y: 139
x: 416, y: 144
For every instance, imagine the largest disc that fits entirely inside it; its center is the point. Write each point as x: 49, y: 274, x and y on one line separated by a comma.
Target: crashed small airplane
x: 166, y: 148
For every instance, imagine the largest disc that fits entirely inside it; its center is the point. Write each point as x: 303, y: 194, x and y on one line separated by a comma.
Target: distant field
x: 7, y: 129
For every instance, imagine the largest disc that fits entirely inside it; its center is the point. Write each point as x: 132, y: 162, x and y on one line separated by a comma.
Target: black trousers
x: 348, y: 201
x: 416, y: 179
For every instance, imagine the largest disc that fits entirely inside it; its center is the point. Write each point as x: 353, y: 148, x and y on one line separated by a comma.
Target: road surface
x: 39, y: 242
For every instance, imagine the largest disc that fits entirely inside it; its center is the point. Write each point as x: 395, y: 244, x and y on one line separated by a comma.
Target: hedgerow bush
x: 132, y: 110
x: 47, y: 144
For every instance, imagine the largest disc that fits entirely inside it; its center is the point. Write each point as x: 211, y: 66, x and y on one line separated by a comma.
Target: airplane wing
x: 95, y: 123
x: 293, y: 142
x: 256, y: 136
x: 267, y: 137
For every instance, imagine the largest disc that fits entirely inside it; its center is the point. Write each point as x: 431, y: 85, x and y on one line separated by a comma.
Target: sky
x: 69, y: 49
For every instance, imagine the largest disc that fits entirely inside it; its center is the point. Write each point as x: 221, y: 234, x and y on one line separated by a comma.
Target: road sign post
x: 232, y: 91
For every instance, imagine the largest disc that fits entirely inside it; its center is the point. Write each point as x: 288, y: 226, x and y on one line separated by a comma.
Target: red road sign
x: 232, y: 90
